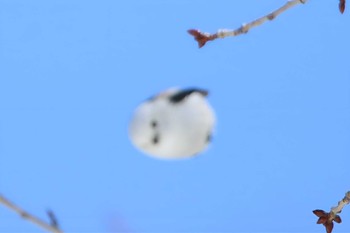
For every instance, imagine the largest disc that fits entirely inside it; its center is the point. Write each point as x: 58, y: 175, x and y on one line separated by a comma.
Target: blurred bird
x: 173, y: 124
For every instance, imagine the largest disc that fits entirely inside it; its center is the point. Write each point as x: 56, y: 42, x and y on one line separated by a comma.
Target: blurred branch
x: 53, y: 219
x: 202, y: 37
x: 327, y: 218
x: 24, y: 214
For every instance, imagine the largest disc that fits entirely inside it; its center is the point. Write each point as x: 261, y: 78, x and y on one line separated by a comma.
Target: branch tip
x: 202, y: 38
x: 327, y: 218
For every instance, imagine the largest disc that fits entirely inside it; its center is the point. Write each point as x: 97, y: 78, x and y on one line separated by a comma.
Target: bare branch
x: 24, y: 214
x: 202, y: 37
x: 337, y: 209
x: 327, y: 219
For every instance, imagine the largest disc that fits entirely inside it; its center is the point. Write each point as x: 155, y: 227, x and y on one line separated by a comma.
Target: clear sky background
x: 72, y: 72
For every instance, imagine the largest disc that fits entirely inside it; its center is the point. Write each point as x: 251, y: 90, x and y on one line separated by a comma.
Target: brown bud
x: 200, y: 37
x: 342, y: 6
x: 322, y: 220
x: 337, y: 219
x: 319, y: 213
x: 329, y: 227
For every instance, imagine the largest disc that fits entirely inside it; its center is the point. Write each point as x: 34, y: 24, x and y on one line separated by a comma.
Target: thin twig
x: 327, y: 218
x: 24, y: 214
x: 203, y: 37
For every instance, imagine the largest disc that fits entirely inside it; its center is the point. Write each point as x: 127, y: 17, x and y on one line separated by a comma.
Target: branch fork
x: 52, y: 227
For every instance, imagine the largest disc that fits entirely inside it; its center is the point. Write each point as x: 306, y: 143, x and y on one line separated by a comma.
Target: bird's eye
x: 154, y: 124
x: 155, y: 139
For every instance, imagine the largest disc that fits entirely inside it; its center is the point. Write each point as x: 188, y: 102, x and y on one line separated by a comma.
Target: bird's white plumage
x: 169, y: 130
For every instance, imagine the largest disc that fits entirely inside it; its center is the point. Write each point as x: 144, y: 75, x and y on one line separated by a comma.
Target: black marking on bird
x: 209, y: 138
x: 154, y: 124
x: 155, y: 139
x: 182, y: 94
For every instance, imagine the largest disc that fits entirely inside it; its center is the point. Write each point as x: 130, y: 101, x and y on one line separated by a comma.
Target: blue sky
x: 72, y: 72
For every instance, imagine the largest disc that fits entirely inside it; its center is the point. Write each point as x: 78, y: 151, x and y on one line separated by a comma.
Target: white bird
x: 173, y: 124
